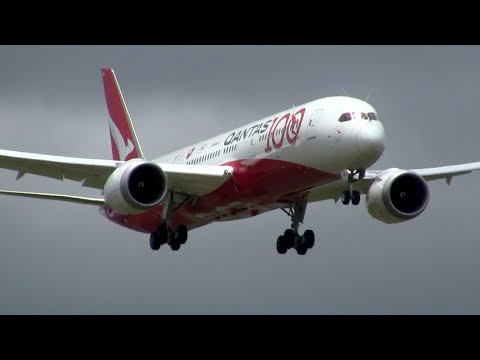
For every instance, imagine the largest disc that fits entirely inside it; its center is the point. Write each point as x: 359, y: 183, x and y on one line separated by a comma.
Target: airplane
x: 321, y: 150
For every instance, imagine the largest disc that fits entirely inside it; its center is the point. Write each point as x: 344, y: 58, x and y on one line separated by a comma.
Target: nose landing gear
x: 352, y: 176
x: 351, y: 195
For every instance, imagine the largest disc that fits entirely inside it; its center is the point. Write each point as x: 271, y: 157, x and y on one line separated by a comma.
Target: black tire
x: 175, y: 245
x: 154, y: 241
x: 182, y: 234
x: 355, y: 198
x: 281, y: 246
x: 309, y: 238
x: 346, y: 197
x: 289, y: 236
x: 301, y: 249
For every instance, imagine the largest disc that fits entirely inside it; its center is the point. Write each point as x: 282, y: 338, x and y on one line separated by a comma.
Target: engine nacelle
x: 135, y: 187
x: 397, y: 196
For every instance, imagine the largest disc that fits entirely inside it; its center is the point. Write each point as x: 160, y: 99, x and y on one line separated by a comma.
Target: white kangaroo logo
x: 123, y: 149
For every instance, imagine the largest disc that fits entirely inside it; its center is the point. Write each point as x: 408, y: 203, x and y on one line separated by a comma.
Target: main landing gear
x: 290, y: 238
x: 164, y: 233
x: 165, y: 236
x: 352, y: 176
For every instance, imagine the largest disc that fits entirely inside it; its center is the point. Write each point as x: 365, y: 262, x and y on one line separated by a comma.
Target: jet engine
x: 397, y: 196
x: 135, y: 187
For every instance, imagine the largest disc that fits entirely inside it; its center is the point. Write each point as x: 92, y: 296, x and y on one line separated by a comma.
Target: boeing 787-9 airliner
x: 316, y: 151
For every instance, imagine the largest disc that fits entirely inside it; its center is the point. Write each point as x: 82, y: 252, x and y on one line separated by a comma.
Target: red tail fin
x: 125, y: 145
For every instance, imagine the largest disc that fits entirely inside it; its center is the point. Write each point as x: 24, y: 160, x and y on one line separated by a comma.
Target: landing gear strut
x: 352, y: 176
x: 291, y: 238
x: 164, y: 234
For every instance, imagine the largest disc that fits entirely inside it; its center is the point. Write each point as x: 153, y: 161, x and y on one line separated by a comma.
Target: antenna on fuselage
x: 344, y: 92
x: 368, y: 96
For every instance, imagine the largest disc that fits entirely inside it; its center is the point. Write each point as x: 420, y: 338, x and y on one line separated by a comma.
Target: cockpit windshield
x: 345, y: 117
x: 358, y: 115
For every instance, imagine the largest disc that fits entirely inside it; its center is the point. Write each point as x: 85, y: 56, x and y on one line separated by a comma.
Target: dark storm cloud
x: 65, y: 258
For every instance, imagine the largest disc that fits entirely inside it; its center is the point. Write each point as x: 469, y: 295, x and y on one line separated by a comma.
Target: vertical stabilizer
x: 125, y: 145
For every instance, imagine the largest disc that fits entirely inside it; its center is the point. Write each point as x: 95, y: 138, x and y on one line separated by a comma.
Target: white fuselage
x: 309, y: 135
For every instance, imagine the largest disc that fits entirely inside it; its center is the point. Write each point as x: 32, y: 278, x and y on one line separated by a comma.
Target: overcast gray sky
x: 66, y: 258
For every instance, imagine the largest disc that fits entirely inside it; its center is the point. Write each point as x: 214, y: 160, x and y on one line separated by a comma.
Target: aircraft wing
x: 334, y: 190
x: 58, y: 197
x: 189, y: 179
x: 92, y: 173
x: 196, y: 179
x: 447, y: 172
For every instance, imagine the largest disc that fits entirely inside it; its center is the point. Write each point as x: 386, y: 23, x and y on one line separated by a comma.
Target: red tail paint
x: 122, y: 135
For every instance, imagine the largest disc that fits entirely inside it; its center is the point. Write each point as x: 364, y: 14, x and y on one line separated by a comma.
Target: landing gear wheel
x: 182, y: 234
x: 346, y: 197
x: 289, y: 236
x: 175, y: 245
x: 154, y: 241
x: 281, y: 246
x: 301, y: 249
x: 355, y: 198
x: 309, y: 238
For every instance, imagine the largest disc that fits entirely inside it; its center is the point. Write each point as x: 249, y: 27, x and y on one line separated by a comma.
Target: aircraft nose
x: 371, y: 141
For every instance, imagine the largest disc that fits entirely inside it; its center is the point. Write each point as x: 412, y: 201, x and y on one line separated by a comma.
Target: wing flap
x: 58, y: 197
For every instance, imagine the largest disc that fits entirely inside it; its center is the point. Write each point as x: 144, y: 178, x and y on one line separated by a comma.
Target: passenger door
x: 313, y: 124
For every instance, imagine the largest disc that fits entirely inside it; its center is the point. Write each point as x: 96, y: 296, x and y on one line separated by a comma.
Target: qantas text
x: 289, y: 123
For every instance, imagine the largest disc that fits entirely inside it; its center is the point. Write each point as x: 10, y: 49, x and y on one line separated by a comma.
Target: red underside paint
x: 256, y: 186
